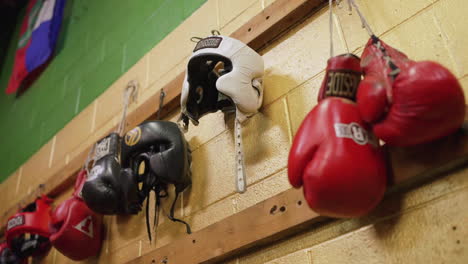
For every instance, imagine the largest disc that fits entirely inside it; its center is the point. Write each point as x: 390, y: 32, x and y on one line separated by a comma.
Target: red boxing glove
x: 76, y: 230
x: 408, y: 102
x: 334, y: 156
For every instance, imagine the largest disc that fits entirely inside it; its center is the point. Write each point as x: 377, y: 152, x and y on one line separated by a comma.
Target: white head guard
x: 223, y: 74
x: 208, y: 88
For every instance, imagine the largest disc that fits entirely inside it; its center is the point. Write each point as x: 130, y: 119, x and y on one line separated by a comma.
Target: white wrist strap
x: 240, y: 169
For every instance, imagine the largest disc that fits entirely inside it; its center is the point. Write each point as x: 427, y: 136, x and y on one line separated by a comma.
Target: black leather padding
x: 101, y: 194
x: 202, y: 79
x: 109, y: 189
x: 24, y: 247
x: 166, y: 150
x: 8, y: 257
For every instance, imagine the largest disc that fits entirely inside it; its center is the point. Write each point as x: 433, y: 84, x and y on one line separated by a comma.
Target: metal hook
x: 40, y: 190
x: 129, y: 95
x: 21, y: 204
x: 133, y: 86
x: 162, y: 95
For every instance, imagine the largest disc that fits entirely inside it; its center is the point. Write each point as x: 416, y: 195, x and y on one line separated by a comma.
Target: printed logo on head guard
x: 352, y: 131
x: 210, y: 42
x: 133, y: 136
x: 29, y: 244
x: 86, y: 226
x: 342, y: 84
x: 16, y: 221
x: 102, y: 149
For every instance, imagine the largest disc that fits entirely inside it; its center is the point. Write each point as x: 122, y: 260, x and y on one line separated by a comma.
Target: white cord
x: 361, y: 16
x: 330, y: 5
x: 130, y: 92
x: 89, y: 159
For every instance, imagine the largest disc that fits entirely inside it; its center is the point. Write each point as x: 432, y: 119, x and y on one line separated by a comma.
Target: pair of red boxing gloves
x: 72, y: 228
x: 336, y: 155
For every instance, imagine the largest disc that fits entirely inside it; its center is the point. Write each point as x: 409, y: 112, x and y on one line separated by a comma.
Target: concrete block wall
x: 423, y: 224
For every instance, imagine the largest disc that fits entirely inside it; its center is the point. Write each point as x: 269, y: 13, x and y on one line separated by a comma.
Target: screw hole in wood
x: 194, y: 241
x: 250, y: 29
x: 268, y: 17
x: 273, y: 209
x: 299, y: 203
x: 282, y: 209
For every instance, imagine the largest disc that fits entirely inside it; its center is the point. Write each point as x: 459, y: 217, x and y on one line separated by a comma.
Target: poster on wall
x: 38, y: 37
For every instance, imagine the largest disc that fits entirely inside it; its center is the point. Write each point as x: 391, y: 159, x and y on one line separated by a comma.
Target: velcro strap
x: 240, y: 168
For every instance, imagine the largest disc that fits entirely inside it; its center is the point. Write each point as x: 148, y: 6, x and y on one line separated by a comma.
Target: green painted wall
x: 100, y: 40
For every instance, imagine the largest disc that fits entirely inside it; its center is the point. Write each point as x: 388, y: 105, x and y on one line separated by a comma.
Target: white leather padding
x: 243, y: 84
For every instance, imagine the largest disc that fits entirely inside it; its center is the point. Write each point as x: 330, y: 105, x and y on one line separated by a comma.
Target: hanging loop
x: 365, y: 25
x: 132, y: 87
x: 330, y: 6
x: 129, y: 95
x: 21, y: 204
x: 89, y: 159
x: 195, y: 39
x: 40, y: 190
x: 214, y: 32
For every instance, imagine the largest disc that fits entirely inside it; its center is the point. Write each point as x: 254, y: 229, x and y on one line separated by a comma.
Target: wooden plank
x: 261, y: 29
x: 275, y: 20
x: 287, y: 213
x: 274, y: 218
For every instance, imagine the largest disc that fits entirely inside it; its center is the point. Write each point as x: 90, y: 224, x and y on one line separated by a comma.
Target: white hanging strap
x: 89, y: 159
x: 129, y: 95
x: 240, y: 169
x: 361, y: 16
x: 330, y: 5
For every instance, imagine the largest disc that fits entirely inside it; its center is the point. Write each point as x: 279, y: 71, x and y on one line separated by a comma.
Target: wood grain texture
x: 274, y: 20
x: 260, y: 30
x: 274, y: 218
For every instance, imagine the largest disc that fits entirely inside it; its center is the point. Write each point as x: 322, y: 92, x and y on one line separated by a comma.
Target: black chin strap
x: 172, y: 218
x: 148, y: 229
x: 161, y: 192
x: 157, y: 191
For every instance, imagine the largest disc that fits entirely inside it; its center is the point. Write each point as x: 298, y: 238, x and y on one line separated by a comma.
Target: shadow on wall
x: 199, y: 179
x: 261, y: 131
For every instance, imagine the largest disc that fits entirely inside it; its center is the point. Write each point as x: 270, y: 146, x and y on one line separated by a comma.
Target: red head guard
x: 27, y: 231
